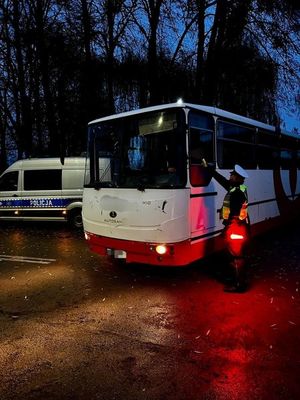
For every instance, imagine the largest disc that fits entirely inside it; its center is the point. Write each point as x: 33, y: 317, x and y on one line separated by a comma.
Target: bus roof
x: 211, y: 110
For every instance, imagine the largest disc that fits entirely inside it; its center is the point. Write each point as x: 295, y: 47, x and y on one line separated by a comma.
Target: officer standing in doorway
x: 236, y: 233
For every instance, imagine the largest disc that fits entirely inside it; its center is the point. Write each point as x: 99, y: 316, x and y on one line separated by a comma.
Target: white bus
x: 156, y: 204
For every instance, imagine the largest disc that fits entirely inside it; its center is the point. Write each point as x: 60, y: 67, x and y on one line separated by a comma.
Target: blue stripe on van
x: 41, y: 202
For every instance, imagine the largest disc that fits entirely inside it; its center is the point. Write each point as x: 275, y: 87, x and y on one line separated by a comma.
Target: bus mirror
x: 200, y: 175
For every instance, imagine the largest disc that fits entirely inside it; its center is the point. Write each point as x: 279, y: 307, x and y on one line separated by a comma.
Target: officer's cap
x: 240, y: 171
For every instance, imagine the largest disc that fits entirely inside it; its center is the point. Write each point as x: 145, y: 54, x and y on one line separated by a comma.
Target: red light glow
x: 235, y: 236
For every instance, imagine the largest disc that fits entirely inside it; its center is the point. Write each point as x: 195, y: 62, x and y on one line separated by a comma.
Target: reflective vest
x: 225, y: 212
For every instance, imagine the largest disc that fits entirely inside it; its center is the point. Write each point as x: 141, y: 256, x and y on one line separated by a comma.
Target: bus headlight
x: 161, y: 249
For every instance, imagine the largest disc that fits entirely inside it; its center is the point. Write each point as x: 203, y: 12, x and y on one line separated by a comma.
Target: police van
x: 43, y: 189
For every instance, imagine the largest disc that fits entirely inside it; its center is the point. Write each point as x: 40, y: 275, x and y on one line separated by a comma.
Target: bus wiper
x: 100, y: 185
x: 97, y: 185
x: 142, y: 182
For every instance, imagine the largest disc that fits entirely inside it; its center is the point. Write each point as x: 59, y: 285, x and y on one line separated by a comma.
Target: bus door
x: 203, y: 196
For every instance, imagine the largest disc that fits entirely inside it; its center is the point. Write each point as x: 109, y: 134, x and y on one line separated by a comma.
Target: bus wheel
x: 75, y: 218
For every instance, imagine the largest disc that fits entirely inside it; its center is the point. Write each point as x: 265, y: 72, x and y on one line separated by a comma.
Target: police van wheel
x: 75, y: 219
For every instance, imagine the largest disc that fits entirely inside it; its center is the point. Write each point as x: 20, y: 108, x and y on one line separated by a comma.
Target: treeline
x: 64, y: 63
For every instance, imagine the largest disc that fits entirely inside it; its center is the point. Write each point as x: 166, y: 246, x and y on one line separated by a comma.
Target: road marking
x: 34, y: 260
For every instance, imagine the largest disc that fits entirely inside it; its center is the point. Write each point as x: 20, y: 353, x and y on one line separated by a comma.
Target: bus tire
x: 75, y: 218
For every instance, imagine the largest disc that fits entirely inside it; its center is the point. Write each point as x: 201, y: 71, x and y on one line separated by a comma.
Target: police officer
x: 235, y: 217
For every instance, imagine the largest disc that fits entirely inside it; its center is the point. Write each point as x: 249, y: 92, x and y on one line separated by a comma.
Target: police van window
x: 9, y: 181
x: 235, y: 145
x: 43, y: 179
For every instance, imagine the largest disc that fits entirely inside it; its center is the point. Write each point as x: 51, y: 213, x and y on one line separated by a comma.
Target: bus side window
x: 9, y: 182
x: 235, y: 145
x: 199, y: 175
x: 288, y: 152
x: 267, y: 150
x: 200, y: 146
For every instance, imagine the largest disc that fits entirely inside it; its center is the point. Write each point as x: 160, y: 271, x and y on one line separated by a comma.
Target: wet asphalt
x: 74, y: 325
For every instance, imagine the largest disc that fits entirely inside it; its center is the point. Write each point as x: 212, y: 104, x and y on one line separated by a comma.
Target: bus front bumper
x: 176, y: 254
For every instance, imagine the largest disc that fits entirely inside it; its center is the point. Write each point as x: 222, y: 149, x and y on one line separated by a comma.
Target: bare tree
x: 147, y: 20
x: 39, y: 13
x: 64, y: 63
x: 14, y: 97
x: 275, y: 28
x: 114, y: 19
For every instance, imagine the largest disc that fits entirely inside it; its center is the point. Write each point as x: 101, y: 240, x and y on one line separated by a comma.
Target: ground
x: 75, y: 325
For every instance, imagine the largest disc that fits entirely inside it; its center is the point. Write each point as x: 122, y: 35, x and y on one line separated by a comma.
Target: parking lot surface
x: 75, y: 325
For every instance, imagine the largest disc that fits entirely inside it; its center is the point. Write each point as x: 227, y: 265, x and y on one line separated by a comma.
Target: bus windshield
x: 141, y: 151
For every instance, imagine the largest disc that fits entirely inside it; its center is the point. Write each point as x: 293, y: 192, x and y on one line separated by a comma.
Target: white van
x: 43, y: 189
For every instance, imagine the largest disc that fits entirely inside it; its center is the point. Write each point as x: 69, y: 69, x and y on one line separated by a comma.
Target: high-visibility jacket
x: 225, y: 212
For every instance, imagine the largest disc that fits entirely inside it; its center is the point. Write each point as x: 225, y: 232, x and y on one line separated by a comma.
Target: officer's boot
x: 239, y: 269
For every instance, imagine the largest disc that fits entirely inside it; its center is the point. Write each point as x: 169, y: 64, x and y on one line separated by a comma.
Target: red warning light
x: 236, y: 236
